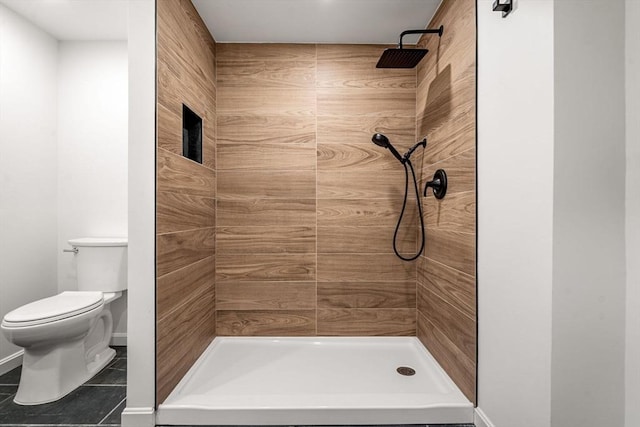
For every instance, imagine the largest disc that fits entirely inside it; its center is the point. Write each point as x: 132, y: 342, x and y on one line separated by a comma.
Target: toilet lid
x: 62, y: 306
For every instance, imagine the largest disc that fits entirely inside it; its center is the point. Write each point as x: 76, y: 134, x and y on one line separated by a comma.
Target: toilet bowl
x: 66, y: 337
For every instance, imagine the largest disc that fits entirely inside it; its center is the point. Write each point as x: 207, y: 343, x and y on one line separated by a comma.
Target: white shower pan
x: 315, y: 381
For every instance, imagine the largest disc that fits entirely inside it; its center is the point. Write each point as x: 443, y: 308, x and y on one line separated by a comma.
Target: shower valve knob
x: 438, y: 184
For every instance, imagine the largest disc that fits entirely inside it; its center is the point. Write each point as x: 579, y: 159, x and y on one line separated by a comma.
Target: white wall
x: 28, y: 166
x: 632, y: 374
x: 587, y: 372
x: 92, y: 150
x: 141, y: 357
x: 515, y: 197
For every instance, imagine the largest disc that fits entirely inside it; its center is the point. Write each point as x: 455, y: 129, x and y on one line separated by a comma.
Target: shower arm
x: 439, y: 31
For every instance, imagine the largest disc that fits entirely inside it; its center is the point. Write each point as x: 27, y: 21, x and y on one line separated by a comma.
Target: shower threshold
x: 315, y: 381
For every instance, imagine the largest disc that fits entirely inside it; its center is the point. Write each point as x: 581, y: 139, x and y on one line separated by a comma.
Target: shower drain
x: 405, y: 370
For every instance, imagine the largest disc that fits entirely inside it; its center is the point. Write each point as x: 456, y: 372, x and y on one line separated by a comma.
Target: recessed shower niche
x: 191, y: 135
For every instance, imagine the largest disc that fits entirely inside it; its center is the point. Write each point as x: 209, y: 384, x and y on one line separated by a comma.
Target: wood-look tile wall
x: 186, y: 194
x: 446, y: 106
x: 306, y: 203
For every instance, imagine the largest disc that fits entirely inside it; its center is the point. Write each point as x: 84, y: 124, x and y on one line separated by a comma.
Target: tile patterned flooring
x: 99, y: 402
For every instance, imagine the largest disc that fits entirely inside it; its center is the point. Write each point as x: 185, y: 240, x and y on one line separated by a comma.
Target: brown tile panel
x: 179, y: 212
x: 356, y: 157
x: 454, y: 249
x: 266, y: 322
x: 267, y: 212
x: 267, y: 156
x: 254, y: 184
x: 361, y: 212
x: 356, y: 239
x: 458, y: 327
x: 367, y: 294
x: 366, y: 321
x: 455, y: 212
x: 182, y: 335
x: 261, y: 267
x: 363, y: 75
x: 361, y: 184
x: 355, y: 53
x: 266, y: 73
x: 363, y: 268
x: 445, y: 107
x: 181, y: 175
x: 266, y: 295
x: 451, y: 285
x: 256, y: 101
x: 263, y: 52
x: 366, y: 102
x: 261, y: 239
x: 266, y: 129
x: 358, y: 130
x: 175, y: 288
x: 460, y: 368
x: 461, y: 172
x: 177, y: 250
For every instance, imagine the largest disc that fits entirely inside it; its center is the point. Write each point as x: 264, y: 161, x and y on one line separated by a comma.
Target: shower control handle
x: 74, y: 250
x: 438, y: 184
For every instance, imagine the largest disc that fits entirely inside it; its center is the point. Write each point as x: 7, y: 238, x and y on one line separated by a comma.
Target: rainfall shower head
x: 382, y: 141
x: 405, y: 58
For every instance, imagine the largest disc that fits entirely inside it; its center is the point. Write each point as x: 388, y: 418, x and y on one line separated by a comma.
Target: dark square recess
x: 191, y: 135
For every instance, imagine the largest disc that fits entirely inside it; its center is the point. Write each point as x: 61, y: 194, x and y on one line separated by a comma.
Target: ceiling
x: 76, y: 19
x: 261, y: 21
x: 315, y: 21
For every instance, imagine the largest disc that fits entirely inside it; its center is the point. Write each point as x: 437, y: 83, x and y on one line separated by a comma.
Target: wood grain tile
x: 253, y: 101
x: 266, y: 239
x: 266, y: 267
x: 355, y: 74
x: 266, y: 322
x: 365, y: 321
x: 353, y: 53
x: 454, y: 249
x: 181, y: 337
x: 361, y: 212
x: 367, y: 294
x: 180, y: 212
x: 455, y: 212
x: 453, y: 286
x: 458, y: 327
x: 361, y: 184
x: 181, y: 175
x: 356, y: 157
x: 461, y: 172
x: 177, y: 250
x: 358, y: 130
x: 366, y: 102
x: 262, y: 51
x: 254, y: 184
x: 266, y: 129
x: 267, y: 156
x: 267, y: 212
x: 266, y: 73
x: 266, y: 296
x: 356, y: 239
x: 175, y: 288
x: 460, y: 368
x: 363, y: 268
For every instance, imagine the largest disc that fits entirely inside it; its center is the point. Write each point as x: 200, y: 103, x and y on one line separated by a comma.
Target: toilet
x: 66, y: 337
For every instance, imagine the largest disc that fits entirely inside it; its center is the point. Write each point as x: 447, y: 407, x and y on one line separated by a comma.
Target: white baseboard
x: 11, y: 362
x: 480, y: 419
x: 138, y: 417
x: 118, y: 339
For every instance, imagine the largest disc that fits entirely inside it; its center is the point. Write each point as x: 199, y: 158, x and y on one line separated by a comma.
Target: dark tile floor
x: 99, y: 402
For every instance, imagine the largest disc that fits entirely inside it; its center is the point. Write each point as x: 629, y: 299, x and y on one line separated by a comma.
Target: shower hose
x: 404, y: 205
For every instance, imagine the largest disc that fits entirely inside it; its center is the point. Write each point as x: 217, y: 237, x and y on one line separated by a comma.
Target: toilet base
x: 48, y: 376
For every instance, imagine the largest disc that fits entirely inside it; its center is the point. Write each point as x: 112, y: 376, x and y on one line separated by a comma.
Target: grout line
x: 111, y: 412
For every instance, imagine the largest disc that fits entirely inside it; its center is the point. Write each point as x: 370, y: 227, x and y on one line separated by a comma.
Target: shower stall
x: 279, y: 295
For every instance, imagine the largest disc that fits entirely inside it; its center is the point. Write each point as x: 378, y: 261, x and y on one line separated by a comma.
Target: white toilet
x: 66, y: 337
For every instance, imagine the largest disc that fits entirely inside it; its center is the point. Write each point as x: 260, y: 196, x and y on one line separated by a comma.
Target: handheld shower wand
x: 382, y: 141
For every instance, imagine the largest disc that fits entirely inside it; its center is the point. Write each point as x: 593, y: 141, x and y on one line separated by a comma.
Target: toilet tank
x: 101, y: 263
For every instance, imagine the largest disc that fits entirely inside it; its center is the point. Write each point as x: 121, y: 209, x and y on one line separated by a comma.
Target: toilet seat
x: 58, y: 307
